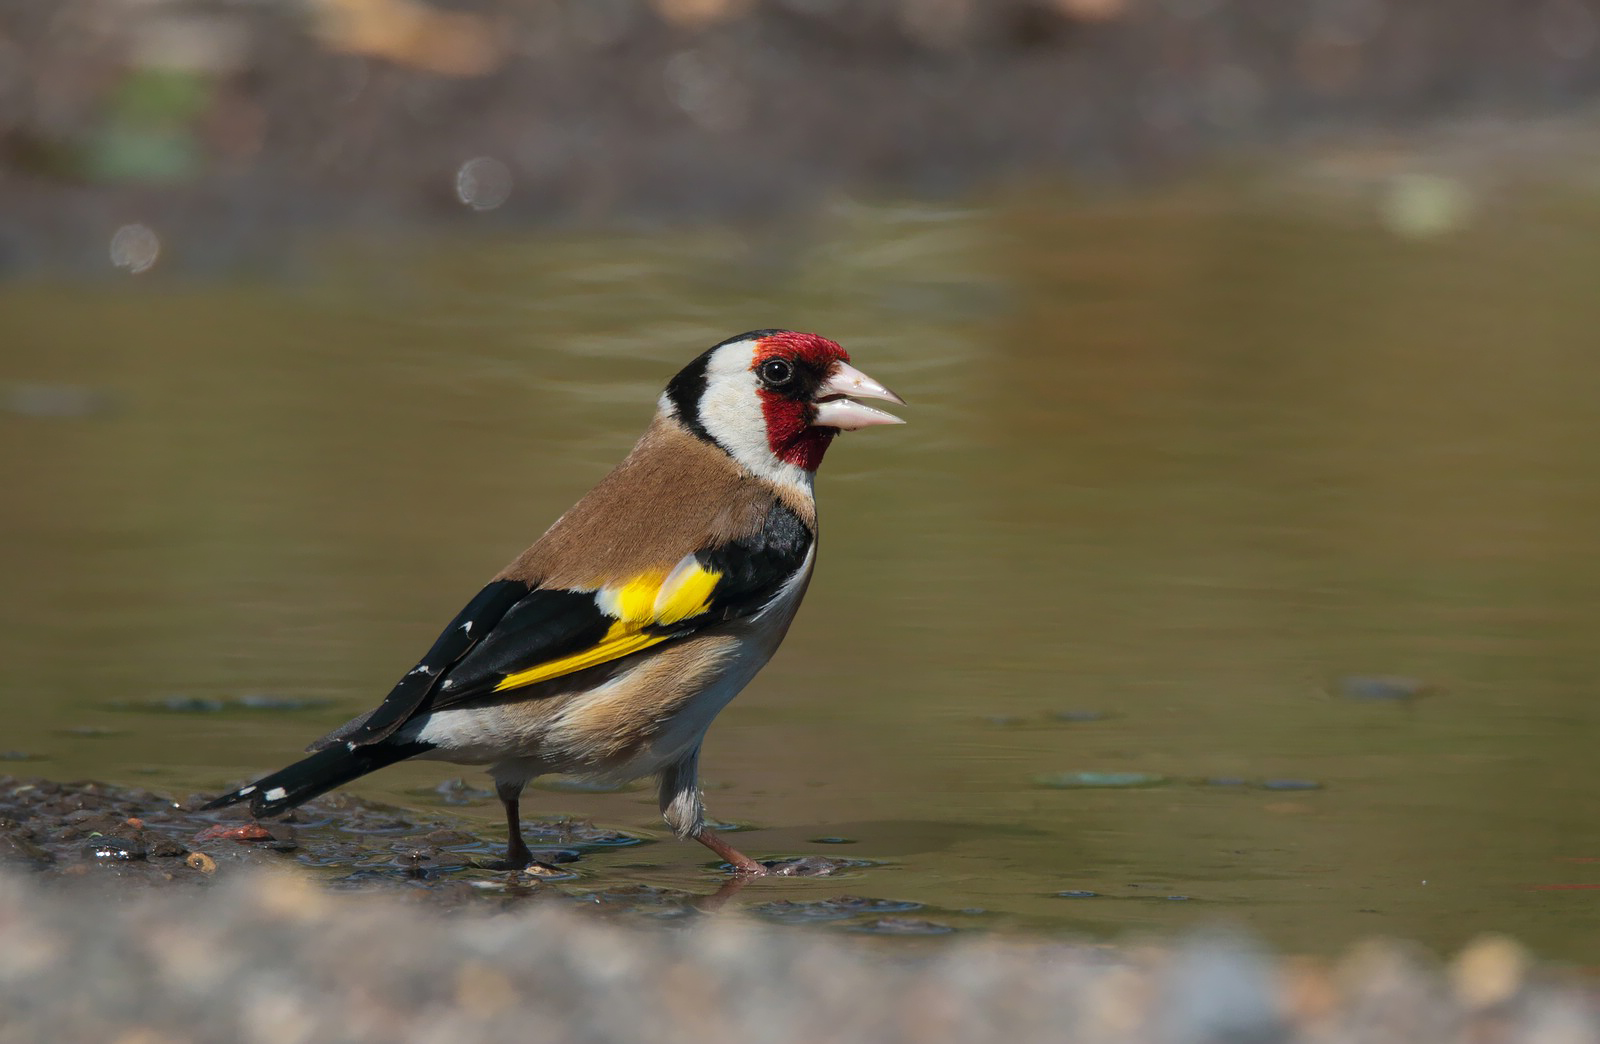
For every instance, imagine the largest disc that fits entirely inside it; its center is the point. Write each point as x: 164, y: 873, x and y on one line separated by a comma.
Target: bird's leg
x: 740, y: 862
x: 682, y: 809
x: 517, y: 854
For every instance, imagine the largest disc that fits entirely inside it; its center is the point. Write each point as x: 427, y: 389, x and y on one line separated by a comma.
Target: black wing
x: 510, y: 637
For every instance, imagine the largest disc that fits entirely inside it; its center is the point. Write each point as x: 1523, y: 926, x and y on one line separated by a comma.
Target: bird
x: 606, y: 648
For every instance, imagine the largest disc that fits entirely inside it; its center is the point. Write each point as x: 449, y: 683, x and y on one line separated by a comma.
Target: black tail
x: 321, y: 772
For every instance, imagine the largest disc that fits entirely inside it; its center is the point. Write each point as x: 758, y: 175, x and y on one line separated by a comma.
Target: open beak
x: 835, y: 410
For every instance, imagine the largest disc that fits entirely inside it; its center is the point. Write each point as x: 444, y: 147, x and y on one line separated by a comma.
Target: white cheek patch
x: 731, y: 412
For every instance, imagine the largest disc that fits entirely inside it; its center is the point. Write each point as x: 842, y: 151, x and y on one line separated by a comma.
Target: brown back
x: 672, y: 494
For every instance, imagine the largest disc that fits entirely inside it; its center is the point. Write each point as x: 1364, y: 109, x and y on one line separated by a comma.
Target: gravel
x: 281, y: 959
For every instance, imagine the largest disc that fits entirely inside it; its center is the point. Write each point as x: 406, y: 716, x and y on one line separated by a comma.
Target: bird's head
x: 774, y: 399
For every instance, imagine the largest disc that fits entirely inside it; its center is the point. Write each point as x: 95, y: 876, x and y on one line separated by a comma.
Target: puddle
x: 1204, y: 489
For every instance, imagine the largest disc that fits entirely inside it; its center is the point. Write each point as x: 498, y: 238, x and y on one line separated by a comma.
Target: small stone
x: 1308, y: 990
x: 114, y: 849
x: 547, y: 872
x: 483, y: 991
x: 165, y: 848
x: 19, y: 851
x: 1489, y: 971
x: 242, y: 832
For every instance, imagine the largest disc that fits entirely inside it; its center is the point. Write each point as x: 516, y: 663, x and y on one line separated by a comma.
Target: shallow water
x: 1177, y: 464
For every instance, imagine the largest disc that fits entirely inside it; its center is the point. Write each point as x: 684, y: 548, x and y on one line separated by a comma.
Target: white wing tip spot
x: 247, y: 791
x: 276, y: 794
x: 466, y: 628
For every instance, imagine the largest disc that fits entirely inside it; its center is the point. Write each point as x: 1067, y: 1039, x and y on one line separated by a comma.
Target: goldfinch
x: 606, y: 649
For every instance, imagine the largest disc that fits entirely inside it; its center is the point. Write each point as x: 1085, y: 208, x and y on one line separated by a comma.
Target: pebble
x: 19, y: 851
x: 1489, y: 972
x: 243, y: 832
x: 114, y: 849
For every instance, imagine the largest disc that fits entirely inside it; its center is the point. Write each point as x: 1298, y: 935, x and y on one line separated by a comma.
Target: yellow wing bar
x: 652, y: 599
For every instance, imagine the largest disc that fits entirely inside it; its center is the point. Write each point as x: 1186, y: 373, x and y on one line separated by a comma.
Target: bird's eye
x: 776, y: 372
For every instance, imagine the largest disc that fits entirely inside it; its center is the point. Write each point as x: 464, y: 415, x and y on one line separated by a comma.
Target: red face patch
x: 790, y: 411
x: 812, y: 348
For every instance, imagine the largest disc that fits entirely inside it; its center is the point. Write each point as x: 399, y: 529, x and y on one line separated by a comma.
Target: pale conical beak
x: 834, y: 410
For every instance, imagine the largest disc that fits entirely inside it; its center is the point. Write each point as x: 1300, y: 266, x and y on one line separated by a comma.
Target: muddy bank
x: 139, y: 838
x: 272, y: 958
x: 126, y: 839
x: 209, y: 128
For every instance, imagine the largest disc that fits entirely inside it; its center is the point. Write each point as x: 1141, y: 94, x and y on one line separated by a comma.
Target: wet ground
x: 102, y: 833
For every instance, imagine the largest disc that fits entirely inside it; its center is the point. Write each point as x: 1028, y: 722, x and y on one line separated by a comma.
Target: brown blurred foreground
x: 221, y: 123
x: 276, y: 959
